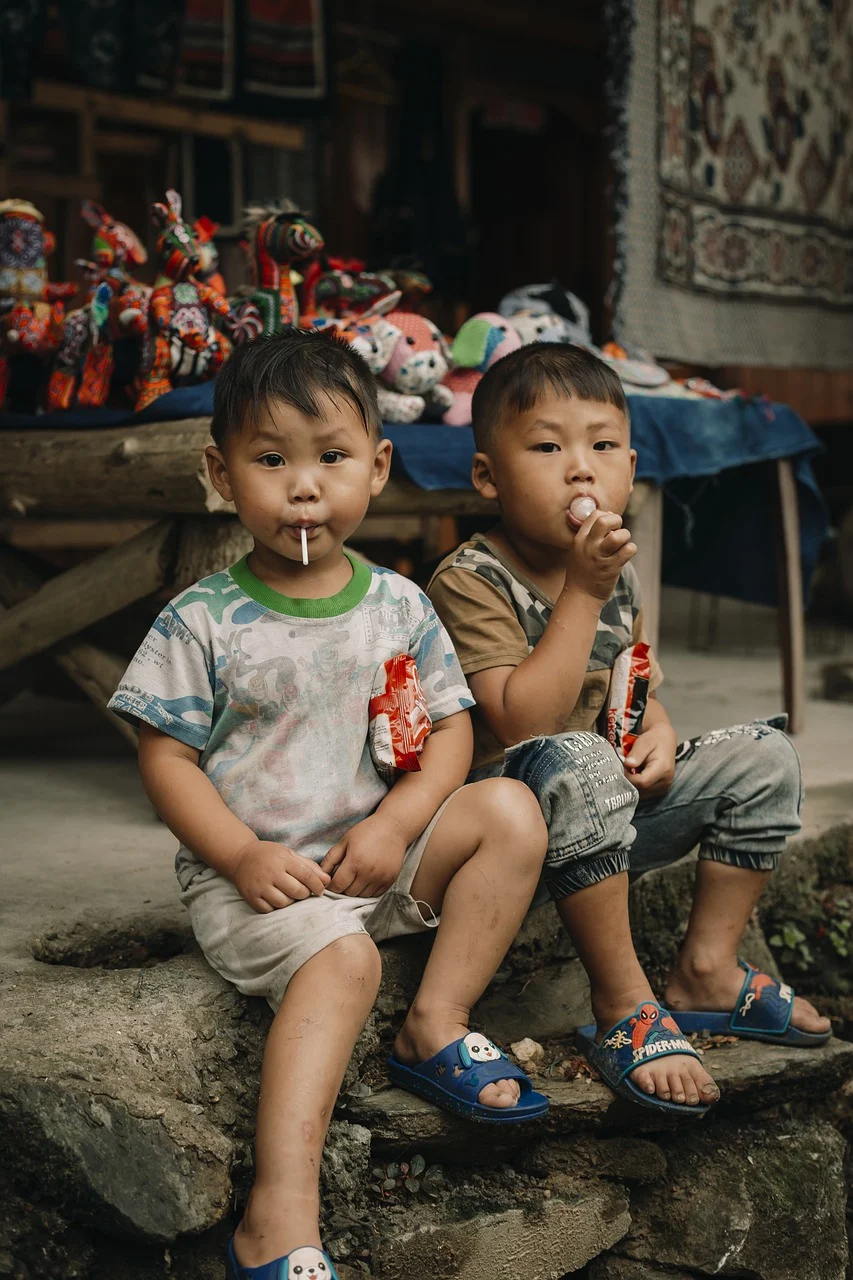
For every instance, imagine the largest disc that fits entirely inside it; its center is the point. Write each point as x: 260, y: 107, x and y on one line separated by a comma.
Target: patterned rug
x: 736, y: 222
x: 754, y: 161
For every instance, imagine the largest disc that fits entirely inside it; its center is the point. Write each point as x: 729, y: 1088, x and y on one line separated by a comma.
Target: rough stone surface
x: 741, y: 1199
x: 545, y: 1242
x: 609, y: 1267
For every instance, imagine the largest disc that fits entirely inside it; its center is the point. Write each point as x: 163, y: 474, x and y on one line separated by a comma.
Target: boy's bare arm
x: 368, y: 859
x: 651, y: 762
x: 539, y: 695
x: 266, y: 874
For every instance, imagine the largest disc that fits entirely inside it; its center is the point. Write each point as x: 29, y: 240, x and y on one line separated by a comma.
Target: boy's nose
x: 304, y: 488
x: 580, y: 471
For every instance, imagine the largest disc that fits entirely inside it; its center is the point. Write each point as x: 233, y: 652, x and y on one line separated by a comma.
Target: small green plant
x: 793, y: 945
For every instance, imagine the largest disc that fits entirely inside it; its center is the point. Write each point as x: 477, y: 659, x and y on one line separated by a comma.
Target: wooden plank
x: 789, y: 574
x: 65, y: 605
x: 154, y: 470
x: 93, y: 670
x: 645, y: 520
x: 173, y: 116
x: 38, y: 182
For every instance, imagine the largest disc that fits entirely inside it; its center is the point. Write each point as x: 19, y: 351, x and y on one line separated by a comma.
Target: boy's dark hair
x: 515, y: 383
x: 298, y: 366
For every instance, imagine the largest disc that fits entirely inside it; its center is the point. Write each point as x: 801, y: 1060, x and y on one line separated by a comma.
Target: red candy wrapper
x: 626, y: 702
x: 399, y: 719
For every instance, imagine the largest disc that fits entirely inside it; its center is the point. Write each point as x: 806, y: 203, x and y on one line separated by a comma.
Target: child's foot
x: 715, y: 989
x: 675, y: 1078
x: 423, y: 1035
x: 274, y: 1224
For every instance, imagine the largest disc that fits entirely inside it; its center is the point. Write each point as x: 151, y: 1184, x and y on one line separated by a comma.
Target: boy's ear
x: 381, y: 467
x: 218, y: 472
x: 633, y: 467
x: 482, y: 478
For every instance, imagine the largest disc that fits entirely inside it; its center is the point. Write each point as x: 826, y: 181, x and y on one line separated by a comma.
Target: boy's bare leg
x: 306, y: 1054
x: 598, y: 924
x: 707, y: 975
x: 480, y: 871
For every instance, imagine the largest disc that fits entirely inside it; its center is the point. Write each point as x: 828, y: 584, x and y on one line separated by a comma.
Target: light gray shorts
x: 260, y: 952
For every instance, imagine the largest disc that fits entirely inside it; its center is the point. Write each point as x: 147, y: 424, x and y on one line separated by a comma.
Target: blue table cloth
x: 705, y: 454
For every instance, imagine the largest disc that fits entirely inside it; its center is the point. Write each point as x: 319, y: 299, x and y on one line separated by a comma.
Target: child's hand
x: 270, y: 876
x: 651, y: 763
x: 368, y: 859
x: 598, y: 553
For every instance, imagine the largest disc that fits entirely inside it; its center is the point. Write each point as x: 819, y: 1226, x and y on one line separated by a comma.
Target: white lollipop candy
x: 582, y: 508
x: 304, y: 534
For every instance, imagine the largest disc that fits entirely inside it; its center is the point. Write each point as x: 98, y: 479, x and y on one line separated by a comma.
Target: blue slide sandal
x: 306, y: 1263
x: 762, y: 1012
x: 453, y: 1079
x: 646, y: 1035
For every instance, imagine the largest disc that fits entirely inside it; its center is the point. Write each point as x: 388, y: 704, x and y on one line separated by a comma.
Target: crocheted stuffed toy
x: 116, y: 308
x: 31, y: 308
x: 276, y: 237
x: 208, y: 254
x: 481, y: 341
x: 411, y: 383
x: 540, y: 326
x: 340, y: 288
x: 182, y: 344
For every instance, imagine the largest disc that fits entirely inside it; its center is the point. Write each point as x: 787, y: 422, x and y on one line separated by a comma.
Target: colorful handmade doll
x: 85, y: 362
x: 481, y: 341
x: 31, y: 308
x: 208, y: 267
x: 408, y: 277
x: 410, y: 384
x: 338, y: 288
x: 182, y: 346
x: 277, y: 237
x: 372, y: 335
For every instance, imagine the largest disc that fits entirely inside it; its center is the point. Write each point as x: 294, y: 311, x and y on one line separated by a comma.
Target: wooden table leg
x: 645, y: 520
x: 791, y: 612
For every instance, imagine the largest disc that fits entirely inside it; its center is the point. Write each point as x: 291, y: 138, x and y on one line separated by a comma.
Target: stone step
x: 751, y: 1077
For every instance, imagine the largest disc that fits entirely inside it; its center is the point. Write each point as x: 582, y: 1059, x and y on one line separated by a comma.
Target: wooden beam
x: 38, y: 182
x: 65, y: 605
x: 791, y: 612
x: 153, y: 470
x: 172, y: 116
x: 93, y: 670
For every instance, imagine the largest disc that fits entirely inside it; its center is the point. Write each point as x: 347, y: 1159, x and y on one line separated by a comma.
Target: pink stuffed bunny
x: 411, y: 382
x: 482, y: 340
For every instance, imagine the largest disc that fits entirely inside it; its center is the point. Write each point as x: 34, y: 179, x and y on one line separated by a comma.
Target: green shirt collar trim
x: 328, y: 607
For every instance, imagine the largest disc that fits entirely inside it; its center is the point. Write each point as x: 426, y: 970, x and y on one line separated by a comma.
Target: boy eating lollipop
x: 540, y: 612
x: 269, y: 696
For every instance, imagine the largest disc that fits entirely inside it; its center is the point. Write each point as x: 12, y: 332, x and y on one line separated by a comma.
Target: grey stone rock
x: 560, y: 1235
x: 751, y: 1077
x: 549, y: 1003
x: 609, y: 1267
x: 743, y: 1199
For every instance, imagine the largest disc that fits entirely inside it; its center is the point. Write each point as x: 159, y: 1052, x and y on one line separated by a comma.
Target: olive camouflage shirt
x: 495, y: 615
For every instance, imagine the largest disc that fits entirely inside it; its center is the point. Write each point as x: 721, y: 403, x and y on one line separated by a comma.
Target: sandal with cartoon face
x: 305, y: 1263
x: 454, y: 1078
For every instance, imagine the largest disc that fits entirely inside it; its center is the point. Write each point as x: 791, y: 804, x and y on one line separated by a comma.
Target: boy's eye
x: 272, y: 460
x: 604, y: 445
x: 547, y: 446
x: 333, y: 455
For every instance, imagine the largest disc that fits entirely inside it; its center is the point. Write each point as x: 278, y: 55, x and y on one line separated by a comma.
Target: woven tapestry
x: 284, y: 50
x: 754, y: 153
x: 206, y: 66
x: 733, y: 150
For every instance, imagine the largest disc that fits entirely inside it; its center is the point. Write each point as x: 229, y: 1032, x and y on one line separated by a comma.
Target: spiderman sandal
x: 762, y: 1012
x: 645, y: 1036
x: 453, y: 1080
x: 307, y: 1263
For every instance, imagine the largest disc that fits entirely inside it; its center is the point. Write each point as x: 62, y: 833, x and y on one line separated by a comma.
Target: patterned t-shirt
x: 274, y: 693
x: 495, y: 615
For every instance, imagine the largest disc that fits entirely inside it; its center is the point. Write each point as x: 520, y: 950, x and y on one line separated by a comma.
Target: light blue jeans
x: 737, y: 793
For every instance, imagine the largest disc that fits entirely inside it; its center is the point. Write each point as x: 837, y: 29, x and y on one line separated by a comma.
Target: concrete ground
x: 80, y: 841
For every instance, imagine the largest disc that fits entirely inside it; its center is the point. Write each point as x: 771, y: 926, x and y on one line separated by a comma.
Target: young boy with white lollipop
x: 539, y: 611
x: 300, y: 849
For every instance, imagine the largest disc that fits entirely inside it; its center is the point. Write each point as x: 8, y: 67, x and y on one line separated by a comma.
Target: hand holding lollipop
x: 599, y: 550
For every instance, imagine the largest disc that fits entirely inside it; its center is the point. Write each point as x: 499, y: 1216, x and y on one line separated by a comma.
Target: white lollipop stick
x: 304, y: 533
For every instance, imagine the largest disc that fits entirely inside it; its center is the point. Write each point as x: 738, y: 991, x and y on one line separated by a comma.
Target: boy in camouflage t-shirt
x: 538, y: 611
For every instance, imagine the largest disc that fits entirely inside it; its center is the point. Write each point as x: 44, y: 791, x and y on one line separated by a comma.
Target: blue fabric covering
x: 718, y: 527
